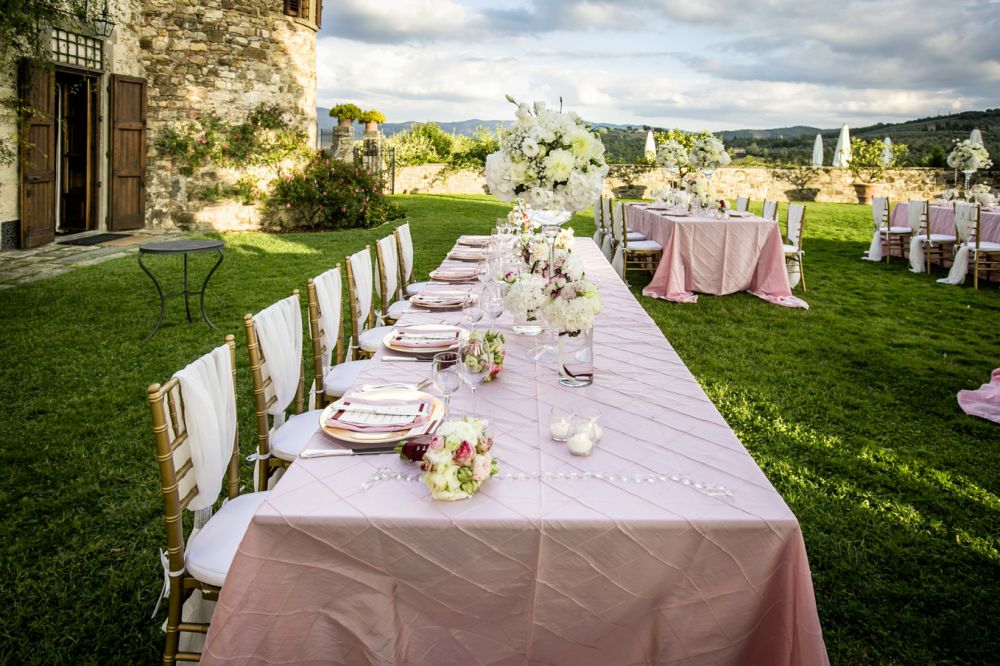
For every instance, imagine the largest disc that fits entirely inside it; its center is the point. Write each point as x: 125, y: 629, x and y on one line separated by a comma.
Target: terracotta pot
x: 865, y: 192
x: 345, y: 122
x: 371, y: 126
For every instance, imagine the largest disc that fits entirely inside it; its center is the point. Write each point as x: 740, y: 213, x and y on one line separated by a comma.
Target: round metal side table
x: 183, y: 247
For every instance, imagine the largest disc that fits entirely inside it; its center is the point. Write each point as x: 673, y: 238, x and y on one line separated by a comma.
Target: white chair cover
x: 771, y: 210
x: 329, y: 291
x: 742, y: 204
x: 795, y: 215
x: 608, y: 219
x: 390, y: 269
x: 618, y: 263
x: 607, y: 247
x: 879, y: 207
x: 965, y: 224
x: 915, y: 216
x: 361, y: 269
x: 406, y: 252
x: 279, y: 328
x: 210, y: 416
x: 618, y: 221
x: 598, y: 222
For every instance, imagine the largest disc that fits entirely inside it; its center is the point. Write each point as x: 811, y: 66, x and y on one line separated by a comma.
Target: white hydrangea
x: 525, y: 295
x: 671, y: 154
x: 575, y: 308
x: 969, y: 156
x: 708, y: 153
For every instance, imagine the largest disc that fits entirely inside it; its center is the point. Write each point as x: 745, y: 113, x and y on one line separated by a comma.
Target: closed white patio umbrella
x: 818, y: 151
x: 976, y: 137
x: 887, y: 153
x: 650, y: 150
x: 842, y: 153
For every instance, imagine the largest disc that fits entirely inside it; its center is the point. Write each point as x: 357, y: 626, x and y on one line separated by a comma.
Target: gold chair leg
x: 975, y: 273
x: 172, y: 638
x: 802, y: 274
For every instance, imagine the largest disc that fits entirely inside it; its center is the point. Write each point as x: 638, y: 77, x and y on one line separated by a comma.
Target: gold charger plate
x: 429, y: 328
x: 352, y: 437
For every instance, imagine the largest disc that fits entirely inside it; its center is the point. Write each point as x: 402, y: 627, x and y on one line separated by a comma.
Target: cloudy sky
x: 694, y: 64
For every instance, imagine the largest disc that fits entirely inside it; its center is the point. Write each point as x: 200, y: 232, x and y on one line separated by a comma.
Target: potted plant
x: 627, y: 177
x: 345, y: 114
x: 372, y: 118
x: 869, y: 162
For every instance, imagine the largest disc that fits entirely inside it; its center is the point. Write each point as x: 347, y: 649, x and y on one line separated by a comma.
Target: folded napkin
x: 418, y: 337
x: 439, y: 299
x: 467, y: 255
x: 453, y: 273
x: 740, y: 213
x: 473, y: 240
x: 359, y: 414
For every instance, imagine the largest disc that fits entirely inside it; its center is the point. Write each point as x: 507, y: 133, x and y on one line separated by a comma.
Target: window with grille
x: 71, y: 48
x: 308, y: 10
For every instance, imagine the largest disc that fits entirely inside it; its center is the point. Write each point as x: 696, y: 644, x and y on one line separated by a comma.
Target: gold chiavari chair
x: 599, y: 221
x: 924, y: 244
x: 366, y: 337
x: 334, y: 375
x: 387, y: 258
x: 793, y: 249
x: 279, y: 440
x: 608, y: 241
x: 742, y: 204
x: 985, y: 254
x: 201, y: 564
x: 404, y: 245
x: 890, y: 235
x: 640, y: 254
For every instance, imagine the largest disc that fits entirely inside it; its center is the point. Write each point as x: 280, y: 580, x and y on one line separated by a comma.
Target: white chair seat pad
x: 791, y: 249
x: 340, y: 377
x: 644, y: 246
x: 291, y: 437
x: 371, y: 340
x: 634, y: 236
x: 986, y: 246
x: 415, y: 288
x: 937, y: 238
x: 897, y: 230
x: 398, y: 309
x: 211, y: 552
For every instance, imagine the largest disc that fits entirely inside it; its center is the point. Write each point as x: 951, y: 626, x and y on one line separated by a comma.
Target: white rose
x: 529, y: 147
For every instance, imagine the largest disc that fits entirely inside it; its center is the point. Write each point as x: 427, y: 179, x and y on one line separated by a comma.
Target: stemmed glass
x: 474, y: 366
x: 472, y: 309
x: 492, y: 302
x: 446, y: 377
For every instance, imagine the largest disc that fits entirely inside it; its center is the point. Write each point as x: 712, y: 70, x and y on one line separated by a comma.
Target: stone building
x: 89, y: 162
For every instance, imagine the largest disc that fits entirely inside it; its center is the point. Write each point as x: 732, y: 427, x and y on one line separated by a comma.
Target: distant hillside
x: 780, y: 133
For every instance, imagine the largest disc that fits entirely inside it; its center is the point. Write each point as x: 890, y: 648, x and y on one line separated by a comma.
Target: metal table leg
x: 187, y: 305
x: 163, y: 299
x: 204, y: 286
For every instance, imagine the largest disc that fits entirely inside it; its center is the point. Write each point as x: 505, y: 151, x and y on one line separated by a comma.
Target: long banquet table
x: 562, y: 559
x: 943, y: 221
x: 712, y: 256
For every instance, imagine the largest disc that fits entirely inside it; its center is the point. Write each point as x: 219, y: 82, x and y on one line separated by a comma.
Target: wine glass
x: 445, y: 376
x: 474, y: 367
x: 472, y: 309
x: 493, y: 302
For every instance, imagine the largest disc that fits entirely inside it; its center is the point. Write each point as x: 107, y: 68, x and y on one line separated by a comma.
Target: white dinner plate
x: 352, y: 437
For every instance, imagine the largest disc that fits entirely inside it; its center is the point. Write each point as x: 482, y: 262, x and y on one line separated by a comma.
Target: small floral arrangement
x: 456, y: 460
x: 708, y: 153
x: 969, y: 156
x: 549, y: 159
x: 981, y: 194
x: 722, y: 205
x: 696, y: 185
x: 573, y: 304
x: 491, y: 351
x: 525, y: 295
x: 671, y: 155
x: 535, y: 249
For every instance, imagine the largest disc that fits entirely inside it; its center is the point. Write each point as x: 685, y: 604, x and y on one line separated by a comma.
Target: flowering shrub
x: 329, y: 194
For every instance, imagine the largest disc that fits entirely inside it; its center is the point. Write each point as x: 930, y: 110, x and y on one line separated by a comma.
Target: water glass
x: 474, y: 367
x: 472, y: 310
x: 493, y: 302
x: 445, y: 376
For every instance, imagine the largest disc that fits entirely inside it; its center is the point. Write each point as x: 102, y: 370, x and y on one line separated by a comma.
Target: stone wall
x: 225, y: 57
x: 824, y: 184
x: 9, y: 186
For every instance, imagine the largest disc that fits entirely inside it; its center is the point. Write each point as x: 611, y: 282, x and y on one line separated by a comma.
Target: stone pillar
x: 342, y: 143
x: 371, y: 154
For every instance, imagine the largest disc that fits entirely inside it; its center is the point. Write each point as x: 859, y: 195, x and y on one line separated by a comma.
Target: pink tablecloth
x: 546, y: 569
x: 715, y: 257
x: 943, y: 222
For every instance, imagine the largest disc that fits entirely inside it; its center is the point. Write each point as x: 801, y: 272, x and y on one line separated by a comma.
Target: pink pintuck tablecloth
x: 713, y: 256
x: 943, y: 222
x: 556, y: 567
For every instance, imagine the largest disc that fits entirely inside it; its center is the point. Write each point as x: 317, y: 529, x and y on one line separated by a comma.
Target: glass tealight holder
x: 561, y: 424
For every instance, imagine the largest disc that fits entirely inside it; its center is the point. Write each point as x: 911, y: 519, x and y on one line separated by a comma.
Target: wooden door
x: 127, y: 191
x: 38, y: 158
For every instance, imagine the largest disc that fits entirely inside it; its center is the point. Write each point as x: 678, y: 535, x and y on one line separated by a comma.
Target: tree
x: 867, y: 161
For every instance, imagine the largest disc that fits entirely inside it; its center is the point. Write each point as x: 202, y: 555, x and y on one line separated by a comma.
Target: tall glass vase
x: 576, y: 358
x: 968, y: 180
x: 529, y: 323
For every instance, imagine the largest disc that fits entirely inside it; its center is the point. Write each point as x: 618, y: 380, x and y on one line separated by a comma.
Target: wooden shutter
x: 38, y: 158
x: 319, y: 13
x: 127, y: 191
x: 293, y: 8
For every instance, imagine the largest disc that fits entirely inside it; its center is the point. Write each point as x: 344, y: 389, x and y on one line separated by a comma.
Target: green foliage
x: 866, y: 159
x: 23, y: 23
x: 266, y: 138
x: 329, y: 194
x: 346, y: 111
x: 427, y: 143
x: 372, y: 116
x: 471, y: 152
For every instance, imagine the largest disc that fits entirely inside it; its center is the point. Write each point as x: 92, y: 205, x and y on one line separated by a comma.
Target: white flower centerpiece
x: 968, y: 157
x: 572, y: 304
x: 548, y: 158
x: 457, y: 461
x: 708, y: 154
x: 982, y: 195
x: 696, y: 186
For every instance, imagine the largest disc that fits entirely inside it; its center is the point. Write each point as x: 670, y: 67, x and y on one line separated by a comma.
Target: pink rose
x: 464, y: 454
x: 485, y: 444
x: 481, y: 468
x: 437, y: 443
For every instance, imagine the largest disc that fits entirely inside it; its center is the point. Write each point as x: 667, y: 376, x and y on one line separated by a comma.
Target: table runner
x: 715, y: 257
x: 334, y: 569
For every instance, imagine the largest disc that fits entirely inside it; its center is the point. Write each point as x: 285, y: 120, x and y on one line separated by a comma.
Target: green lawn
x: 849, y: 408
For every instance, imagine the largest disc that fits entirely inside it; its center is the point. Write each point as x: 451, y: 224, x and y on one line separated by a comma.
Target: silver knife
x: 332, y: 453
